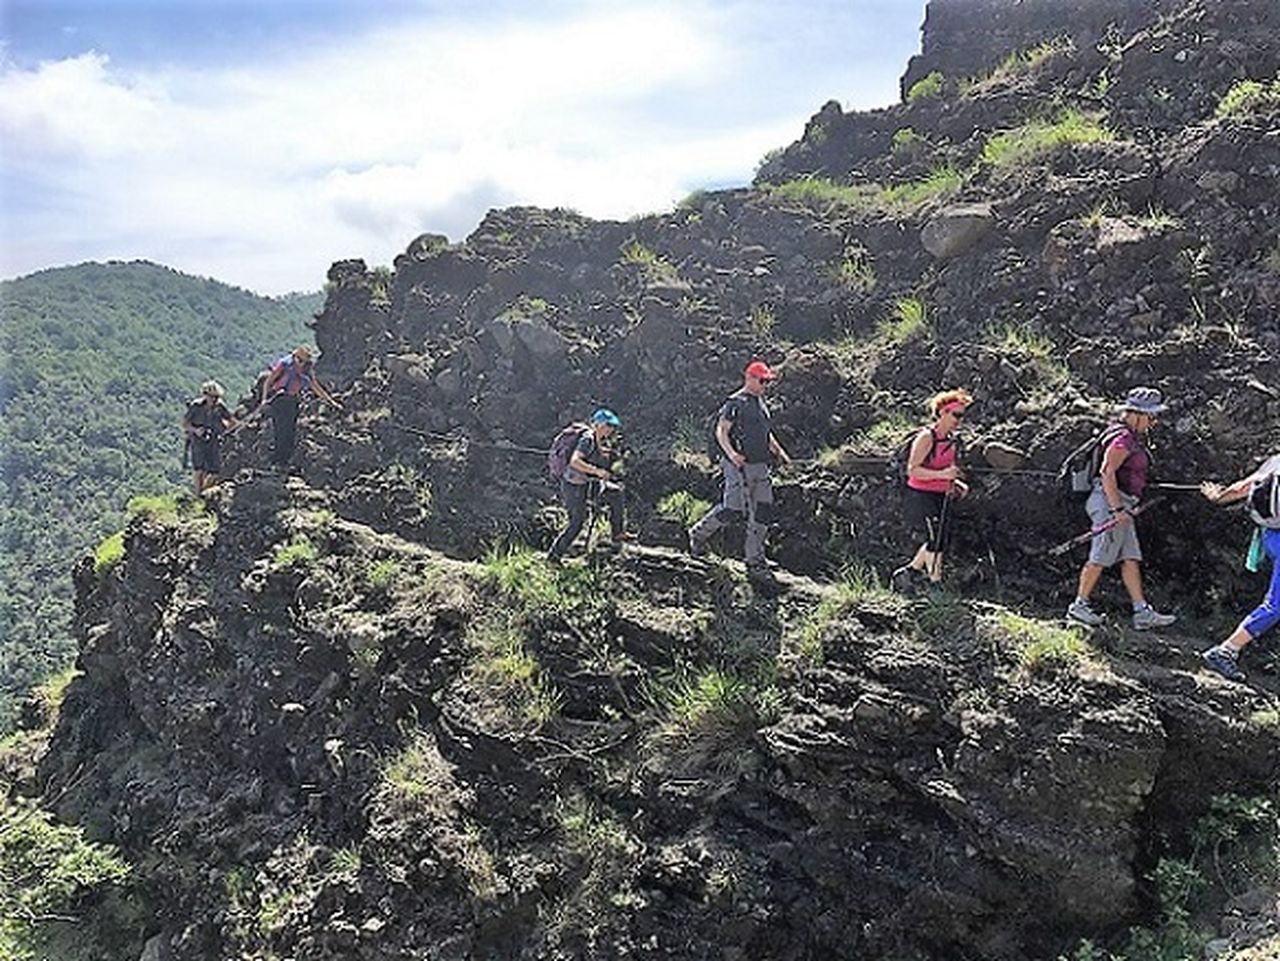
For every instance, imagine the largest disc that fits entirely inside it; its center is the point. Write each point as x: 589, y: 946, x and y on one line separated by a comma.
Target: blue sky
x: 257, y: 142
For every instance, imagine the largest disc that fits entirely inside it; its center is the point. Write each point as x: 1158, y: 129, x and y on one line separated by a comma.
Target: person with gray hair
x: 1117, y: 488
x: 204, y: 423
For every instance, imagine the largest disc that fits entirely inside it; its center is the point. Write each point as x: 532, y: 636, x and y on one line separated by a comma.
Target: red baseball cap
x: 760, y: 370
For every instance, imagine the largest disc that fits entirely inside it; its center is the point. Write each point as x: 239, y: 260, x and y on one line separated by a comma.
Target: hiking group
x: 1109, y: 475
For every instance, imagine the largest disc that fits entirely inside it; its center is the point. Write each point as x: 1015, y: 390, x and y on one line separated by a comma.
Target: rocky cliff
x: 336, y: 715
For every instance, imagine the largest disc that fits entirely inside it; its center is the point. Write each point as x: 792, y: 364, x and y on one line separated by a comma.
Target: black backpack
x: 714, y: 451
x: 1079, y: 468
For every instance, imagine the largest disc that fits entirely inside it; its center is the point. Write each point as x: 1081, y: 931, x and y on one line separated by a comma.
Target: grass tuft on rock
x: 907, y: 320
x: 108, y: 553
x: 1038, y: 138
x: 1247, y: 96
x: 926, y: 88
x: 683, y: 508
x: 1042, y: 644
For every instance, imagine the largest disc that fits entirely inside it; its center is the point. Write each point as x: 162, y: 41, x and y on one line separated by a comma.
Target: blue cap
x: 606, y: 416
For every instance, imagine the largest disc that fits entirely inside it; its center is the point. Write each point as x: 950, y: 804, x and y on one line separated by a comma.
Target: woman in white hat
x: 206, y: 420
x: 1126, y: 461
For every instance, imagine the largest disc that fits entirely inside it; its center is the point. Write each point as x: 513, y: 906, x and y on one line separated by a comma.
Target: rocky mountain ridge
x: 338, y: 715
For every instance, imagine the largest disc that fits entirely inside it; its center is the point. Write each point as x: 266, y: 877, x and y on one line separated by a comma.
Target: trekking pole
x: 1059, y: 549
x: 1177, y: 487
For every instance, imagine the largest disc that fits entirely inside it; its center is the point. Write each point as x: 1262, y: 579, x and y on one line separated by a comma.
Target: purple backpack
x: 562, y: 448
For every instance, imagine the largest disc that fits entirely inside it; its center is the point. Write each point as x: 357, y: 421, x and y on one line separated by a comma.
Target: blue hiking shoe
x: 1223, y: 663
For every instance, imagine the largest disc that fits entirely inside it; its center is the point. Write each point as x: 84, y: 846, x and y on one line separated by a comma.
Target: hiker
x: 282, y: 391
x: 204, y: 423
x: 1118, y: 487
x: 933, y: 481
x: 587, y: 475
x: 1262, y: 489
x: 747, y: 449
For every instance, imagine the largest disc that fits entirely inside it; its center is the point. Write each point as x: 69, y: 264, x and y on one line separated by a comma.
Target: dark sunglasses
x: 957, y: 414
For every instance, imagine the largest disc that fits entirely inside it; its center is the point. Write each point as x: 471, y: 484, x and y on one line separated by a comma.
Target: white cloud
x: 263, y: 174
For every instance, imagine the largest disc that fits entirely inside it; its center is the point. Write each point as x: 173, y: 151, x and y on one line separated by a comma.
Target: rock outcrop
x: 335, y: 718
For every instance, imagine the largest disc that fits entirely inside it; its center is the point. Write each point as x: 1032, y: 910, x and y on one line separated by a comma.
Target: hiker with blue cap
x: 1126, y: 461
x: 587, y: 471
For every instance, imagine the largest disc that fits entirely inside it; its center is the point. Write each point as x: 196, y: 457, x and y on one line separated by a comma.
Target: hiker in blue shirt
x: 1262, y: 490
x: 282, y: 390
x: 588, y: 472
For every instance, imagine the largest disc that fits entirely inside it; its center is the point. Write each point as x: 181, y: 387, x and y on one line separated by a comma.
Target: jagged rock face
x: 310, y: 756
x: 963, y: 38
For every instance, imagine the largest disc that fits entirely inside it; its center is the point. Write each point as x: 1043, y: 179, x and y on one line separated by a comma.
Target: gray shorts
x: 1120, y: 543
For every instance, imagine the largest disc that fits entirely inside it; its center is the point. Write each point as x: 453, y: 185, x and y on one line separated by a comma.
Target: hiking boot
x: 905, y: 579
x: 1223, y: 663
x: 1148, y: 618
x: 1081, y: 612
x: 554, y: 559
x: 697, y: 548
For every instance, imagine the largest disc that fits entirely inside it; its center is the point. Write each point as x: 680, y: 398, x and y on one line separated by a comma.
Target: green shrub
x: 109, y: 553
x: 926, y: 87
x: 522, y: 573
x: 156, y: 506
x: 907, y: 320
x: 682, y: 507
x: 711, y: 702
x: 1246, y: 96
x: 299, y: 552
x: 46, y: 872
x: 1037, y: 138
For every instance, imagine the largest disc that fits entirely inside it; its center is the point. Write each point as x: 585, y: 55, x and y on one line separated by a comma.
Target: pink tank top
x: 942, y: 456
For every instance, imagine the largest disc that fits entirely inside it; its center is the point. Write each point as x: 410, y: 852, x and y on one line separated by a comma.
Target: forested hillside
x: 96, y: 362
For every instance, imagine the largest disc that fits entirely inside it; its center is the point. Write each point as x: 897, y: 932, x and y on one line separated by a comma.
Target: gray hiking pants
x: 748, y: 495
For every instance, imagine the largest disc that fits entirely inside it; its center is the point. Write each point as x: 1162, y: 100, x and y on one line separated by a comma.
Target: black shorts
x: 923, y: 512
x: 206, y: 456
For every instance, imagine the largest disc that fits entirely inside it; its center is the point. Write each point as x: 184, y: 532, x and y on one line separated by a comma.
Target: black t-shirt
x: 749, y: 434
x: 207, y: 419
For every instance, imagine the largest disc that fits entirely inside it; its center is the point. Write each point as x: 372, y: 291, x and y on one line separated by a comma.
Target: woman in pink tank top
x: 933, y: 477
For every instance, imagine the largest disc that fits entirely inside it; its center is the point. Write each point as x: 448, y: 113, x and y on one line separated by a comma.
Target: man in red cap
x: 747, y: 451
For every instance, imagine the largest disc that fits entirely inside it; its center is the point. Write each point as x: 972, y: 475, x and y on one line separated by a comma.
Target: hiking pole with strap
x: 1060, y: 549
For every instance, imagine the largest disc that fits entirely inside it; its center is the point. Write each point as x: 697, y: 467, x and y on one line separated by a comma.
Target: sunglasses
x: 957, y: 414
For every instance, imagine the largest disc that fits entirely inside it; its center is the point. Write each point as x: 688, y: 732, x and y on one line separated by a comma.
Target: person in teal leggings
x: 1261, y: 489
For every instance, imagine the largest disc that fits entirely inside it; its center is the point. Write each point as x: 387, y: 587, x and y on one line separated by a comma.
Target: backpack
x: 1264, y: 501
x: 901, y: 458
x: 1082, y: 465
x: 562, y: 448
x: 714, y: 451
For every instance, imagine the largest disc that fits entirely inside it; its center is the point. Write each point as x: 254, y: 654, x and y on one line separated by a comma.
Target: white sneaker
x: 1148, y: 617
x: 1082, y: 613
